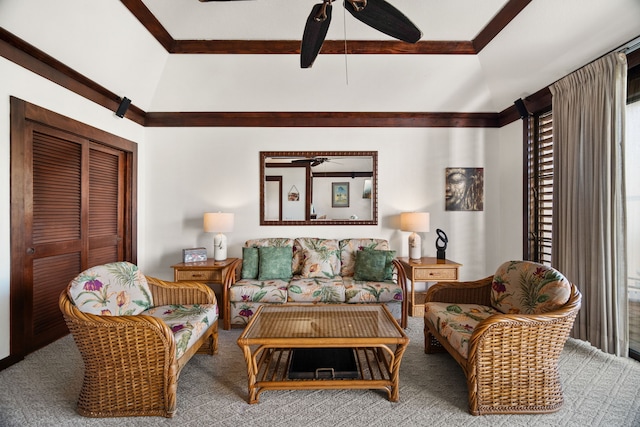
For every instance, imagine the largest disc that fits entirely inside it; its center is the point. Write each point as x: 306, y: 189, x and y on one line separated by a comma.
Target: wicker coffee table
x: 275, y: 331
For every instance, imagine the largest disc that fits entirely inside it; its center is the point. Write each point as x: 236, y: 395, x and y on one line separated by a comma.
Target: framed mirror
x: 318, y: 188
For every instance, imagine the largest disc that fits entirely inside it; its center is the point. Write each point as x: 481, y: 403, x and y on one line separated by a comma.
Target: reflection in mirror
x: 318, y: 188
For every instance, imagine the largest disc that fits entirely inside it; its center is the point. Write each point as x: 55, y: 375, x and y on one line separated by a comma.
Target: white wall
x: 198, y: 170
x: 27, y: 86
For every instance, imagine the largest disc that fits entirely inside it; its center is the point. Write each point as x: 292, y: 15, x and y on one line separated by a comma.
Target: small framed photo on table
x: 194, y: 255
x: 340, y: 194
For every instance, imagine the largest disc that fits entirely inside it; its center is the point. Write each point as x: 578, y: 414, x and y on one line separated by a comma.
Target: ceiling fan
x: 377, y: 14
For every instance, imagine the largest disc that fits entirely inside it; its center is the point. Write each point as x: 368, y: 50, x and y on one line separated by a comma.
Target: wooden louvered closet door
x: 77, y: 200
x: 73, y: 206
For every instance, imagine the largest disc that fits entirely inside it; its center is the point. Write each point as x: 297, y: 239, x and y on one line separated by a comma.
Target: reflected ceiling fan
x: 313, y: 161
x: 377, y: 14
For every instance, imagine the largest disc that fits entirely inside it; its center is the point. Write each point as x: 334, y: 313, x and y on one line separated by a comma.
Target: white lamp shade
x: 414, y: 221
x: 218, y: 222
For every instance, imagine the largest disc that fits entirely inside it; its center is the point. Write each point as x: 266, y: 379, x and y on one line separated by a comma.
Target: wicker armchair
x: 135, y: 334
x: 506, y: 332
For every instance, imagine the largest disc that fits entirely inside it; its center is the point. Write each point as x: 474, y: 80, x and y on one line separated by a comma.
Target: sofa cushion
x: 349, y: 248
x: 529, y: 288
x: 456, y: 322
x: 275, y: 262
x: 279, y: 241
x: 371, y: 292
x: 374, y: 265
x: 250, y: 263
x: 115, y: 289
x: 321, y: 257
x: 187, y: 322
x: 242, y: 311
x: 316, y: 289
x: 249, y: 290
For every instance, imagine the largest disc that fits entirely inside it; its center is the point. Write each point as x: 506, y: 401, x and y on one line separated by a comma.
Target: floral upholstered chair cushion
x: 525, y: 287
x: 321, y: 257
x: 187, y: 322
x: 456, y: 322
x: 116, y: 289
x: 349, y: 248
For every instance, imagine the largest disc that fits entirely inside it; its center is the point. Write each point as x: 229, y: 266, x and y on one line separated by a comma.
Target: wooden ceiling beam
x: 292, y: 47
x: 320, y: 119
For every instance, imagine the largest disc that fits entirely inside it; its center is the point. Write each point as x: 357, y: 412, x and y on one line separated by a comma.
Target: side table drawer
x: 435, y: 274
x: 199, y: 275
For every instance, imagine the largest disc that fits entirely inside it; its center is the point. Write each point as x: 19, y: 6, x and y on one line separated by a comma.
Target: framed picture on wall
x: 339, y: 194
x: 366, y: 191
x: 464, y: 189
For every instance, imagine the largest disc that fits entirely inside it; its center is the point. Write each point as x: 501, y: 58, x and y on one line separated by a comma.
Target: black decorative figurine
x: 441, y: 247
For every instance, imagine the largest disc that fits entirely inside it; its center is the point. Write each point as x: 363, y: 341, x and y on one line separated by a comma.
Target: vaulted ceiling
x: 242, y: 56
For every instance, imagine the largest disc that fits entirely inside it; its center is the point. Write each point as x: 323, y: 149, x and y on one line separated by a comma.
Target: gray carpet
x: 600, y: 389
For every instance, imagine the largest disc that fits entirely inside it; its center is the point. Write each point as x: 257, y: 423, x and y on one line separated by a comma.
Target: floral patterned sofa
x: 135, y: 334
x: 506, y: 332
x: 313, y: 270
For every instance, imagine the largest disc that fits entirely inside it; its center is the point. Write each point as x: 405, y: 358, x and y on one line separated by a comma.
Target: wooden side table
x: 222, y: 273
x: 427, y: 269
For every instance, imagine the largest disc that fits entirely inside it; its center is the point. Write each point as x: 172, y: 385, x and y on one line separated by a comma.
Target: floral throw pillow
x: 321, y: 257
x: 529, y: 288
x: 116, y: 289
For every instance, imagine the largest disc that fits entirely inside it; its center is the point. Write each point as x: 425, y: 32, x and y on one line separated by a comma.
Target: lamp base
x: 220, y: 247
x: 415, y: 246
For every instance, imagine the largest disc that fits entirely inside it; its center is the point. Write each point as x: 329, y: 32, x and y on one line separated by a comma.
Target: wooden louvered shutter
x: 56, y: 229
x: 106, y: 198
x: 540, y: 188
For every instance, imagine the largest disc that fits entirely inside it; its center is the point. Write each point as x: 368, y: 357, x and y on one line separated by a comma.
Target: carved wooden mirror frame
x: 303, y: 157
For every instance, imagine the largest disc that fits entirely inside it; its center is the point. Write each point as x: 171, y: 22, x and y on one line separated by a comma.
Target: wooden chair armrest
x: 165, y: 292
x: 475, y: 292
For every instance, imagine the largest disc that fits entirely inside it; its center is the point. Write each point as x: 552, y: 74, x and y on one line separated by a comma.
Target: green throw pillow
x: 370, y: 266
x: 388, y: 267
x: 250, y: 263
x: 275, y: 262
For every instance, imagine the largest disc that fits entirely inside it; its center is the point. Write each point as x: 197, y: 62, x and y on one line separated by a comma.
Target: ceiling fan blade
x: 385, y: 18
x: 315, y: 31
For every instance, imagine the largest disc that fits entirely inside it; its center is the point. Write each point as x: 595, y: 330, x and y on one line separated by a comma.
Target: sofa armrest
x: 476, y: 292
x: 400, y: 277
x: 165, y: 293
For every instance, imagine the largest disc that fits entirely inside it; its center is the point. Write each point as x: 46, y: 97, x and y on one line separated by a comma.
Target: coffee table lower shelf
x: 377, y: 368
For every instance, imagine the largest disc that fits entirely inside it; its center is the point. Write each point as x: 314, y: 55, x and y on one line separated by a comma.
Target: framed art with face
x: 464, y: 189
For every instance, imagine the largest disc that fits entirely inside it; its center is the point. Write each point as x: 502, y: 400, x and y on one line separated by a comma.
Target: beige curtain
x: 589, y: 225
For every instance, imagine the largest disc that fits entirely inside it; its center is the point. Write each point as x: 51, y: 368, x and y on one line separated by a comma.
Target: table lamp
x: 416, y: 222
x: 219, y: 223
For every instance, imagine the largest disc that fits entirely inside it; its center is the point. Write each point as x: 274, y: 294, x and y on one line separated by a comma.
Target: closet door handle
x: 31, y: 251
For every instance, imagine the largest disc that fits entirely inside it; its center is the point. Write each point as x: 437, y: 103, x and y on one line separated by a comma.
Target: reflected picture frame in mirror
x: 314, y: 173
